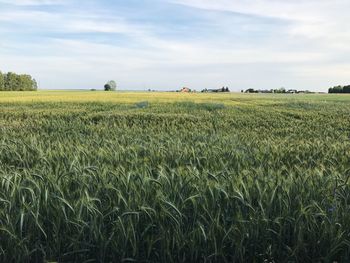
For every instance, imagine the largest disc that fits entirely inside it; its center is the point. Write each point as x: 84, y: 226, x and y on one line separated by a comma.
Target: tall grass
x: 175, y: 182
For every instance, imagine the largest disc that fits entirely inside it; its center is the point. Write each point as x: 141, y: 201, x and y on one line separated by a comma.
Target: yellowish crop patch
x: 160, y: 97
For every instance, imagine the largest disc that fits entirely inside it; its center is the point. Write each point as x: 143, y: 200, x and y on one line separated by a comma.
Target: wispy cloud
x: 307, y: 18
x: 33, y: 2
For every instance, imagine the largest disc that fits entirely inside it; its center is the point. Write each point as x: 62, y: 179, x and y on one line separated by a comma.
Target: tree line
x: 339, y: 89
x: 17, y: 82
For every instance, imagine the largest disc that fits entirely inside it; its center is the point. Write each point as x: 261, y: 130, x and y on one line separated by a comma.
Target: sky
x: 169, y: 44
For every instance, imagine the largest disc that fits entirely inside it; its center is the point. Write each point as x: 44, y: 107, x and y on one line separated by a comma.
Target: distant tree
x: 251, y: 91
x: 11, y: 81
x: 14, y: 82
x: 2, y: 81
x: 282, y: 90
x: 107, y: 87
x: 227, y: 89
x: 339, y: 89
x: 34, y: 85
x: 346, y: 89
x: 26, y: 82
x: 110, y: 86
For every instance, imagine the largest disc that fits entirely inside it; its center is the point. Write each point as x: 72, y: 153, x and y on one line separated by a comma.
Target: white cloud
x: 304, y: 50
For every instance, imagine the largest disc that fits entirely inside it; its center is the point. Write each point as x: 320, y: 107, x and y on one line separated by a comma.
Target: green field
x: 169, y: 177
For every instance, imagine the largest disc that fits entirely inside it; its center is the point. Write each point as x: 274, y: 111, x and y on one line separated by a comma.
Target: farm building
x: 185, y: 90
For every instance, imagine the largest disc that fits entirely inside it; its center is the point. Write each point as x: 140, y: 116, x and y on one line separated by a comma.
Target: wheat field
x: 170, y: 177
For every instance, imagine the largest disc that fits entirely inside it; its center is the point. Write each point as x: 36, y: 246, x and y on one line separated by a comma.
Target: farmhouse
x: 185, y: 90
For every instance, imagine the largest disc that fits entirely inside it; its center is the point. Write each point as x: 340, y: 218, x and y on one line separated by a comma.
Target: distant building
x: 185, y: 90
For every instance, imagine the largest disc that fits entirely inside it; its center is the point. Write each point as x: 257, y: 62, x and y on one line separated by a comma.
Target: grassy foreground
x: 167, y: 177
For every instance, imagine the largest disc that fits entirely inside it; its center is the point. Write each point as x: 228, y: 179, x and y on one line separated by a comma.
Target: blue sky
x: 167, y: 44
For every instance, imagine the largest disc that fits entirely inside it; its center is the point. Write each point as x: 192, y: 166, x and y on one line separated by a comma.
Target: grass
x: 169, y: 177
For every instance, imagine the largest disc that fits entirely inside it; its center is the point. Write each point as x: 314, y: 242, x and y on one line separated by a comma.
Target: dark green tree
x: 27, y: 83
x: 251, y: 91
x: 346, y: 89
x: 2, y: 81
x: 338, y: 89
x: 280, y: 90
x: 111, y: 86
x: 15, y: 82
x: 11, y: 81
